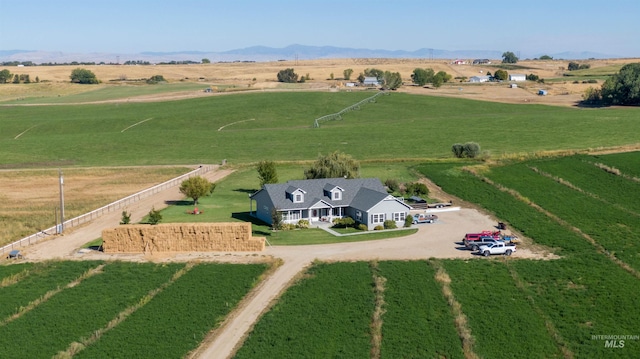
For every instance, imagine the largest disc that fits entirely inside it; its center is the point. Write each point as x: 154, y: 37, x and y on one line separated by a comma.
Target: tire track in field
x: 25, y: 131
x: 376, y: 321
x: 462, y: 325
x: 137, y: 123
x: 76, y: 347
x: 548, y: 323
x: 570, y: 185
x: 233, y: 123
x: 35, y: 303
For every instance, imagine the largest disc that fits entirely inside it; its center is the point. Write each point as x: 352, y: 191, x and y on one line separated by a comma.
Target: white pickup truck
x: 497, y: 248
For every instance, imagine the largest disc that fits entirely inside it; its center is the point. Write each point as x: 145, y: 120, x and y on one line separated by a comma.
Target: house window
x: 399, y: 216
x: 298, y: 198
x: 336, y: 212
x: 377, y: 218
x: 336, y: 195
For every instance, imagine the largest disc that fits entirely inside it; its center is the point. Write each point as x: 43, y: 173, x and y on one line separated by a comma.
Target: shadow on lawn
x: 245, y: 190
x: 246, y: 217
x: 179, y: 203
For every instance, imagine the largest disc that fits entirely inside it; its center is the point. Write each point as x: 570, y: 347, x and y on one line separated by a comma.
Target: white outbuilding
x: 517, y: 77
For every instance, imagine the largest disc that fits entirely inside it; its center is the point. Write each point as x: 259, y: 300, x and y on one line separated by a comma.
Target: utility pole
x: 61, y: 202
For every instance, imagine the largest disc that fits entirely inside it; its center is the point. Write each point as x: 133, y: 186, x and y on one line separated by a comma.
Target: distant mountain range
x: 262, y: 53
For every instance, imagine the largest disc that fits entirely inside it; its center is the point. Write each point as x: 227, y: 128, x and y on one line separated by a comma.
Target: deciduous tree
x: 623, y: 88
x: 422, y: 77
x: 336, y: 164
x: 267, y: 172
x: 347, y: 74
x: 195, y: 187
x: 501, y: 75
x: 287, y: 75
x: 83, y: 76
x: 391, y: 80
x: 509, y: 57
x: 5, y: 76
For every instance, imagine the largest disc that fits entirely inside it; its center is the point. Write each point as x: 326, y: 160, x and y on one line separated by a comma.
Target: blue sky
x: 134, y: 26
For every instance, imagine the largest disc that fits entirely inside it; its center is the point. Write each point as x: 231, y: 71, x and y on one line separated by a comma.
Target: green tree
x: 573, y: 66
x: 440, y: 78
x: 623, y: 88
x: 391, y: 80
x: 154, y: 216
x: 195, y: 188
x: 5, y: 76
x: 458, y: 150
x: 267, y: 172
x: 501, y: 75
x: 288, y: 76
x: 155, y: 79
x: 509, y: 57
x: 361, y: 78
x: 336, y: 164
x: 347, y: 74
x: 276, y: 219
x: 83, y: 76
x: 592, y: 96
x: 126, y: 217
x: 16, y: 79
x: 377, y: 73
x: 422, y: 77
x: 331, y: 76
x: 206, y: 61
x: 546, y: 57
x: 471, y: 149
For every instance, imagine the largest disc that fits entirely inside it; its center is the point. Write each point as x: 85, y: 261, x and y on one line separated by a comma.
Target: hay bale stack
x: 181, y: 237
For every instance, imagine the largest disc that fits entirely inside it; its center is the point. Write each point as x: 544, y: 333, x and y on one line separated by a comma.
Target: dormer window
x: 296, y: 195
x: 337, y: 195
x: 333, y: 192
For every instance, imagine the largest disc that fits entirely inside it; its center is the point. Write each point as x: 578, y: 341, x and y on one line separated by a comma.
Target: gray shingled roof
x: 316, y: 190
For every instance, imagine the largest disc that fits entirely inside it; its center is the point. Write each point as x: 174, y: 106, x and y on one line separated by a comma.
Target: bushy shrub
x: 378, y: 228
x: 390, y: 224
x: 408, y: 222
x: 416, y: 189
x: 458, y: 150
x: 303, y: 223
x: 363, y: 227
x: 154, y: 216
x: 343, y: 222
x: 392, y: 184
x: 471, y: 149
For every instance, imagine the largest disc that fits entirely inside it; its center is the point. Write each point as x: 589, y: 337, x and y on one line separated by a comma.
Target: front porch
x: 312, y: 215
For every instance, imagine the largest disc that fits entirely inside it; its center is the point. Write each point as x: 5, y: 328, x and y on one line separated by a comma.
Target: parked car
x: 497, y: 248
x: 473, y: 237
x: 424, y: 218
x: 475, y: 244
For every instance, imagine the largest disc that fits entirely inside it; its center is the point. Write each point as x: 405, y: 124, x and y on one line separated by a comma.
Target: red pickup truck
x: 470, y: 239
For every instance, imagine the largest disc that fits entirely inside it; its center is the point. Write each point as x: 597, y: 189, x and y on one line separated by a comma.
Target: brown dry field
x: 30, y: 197
x: 262, y: 75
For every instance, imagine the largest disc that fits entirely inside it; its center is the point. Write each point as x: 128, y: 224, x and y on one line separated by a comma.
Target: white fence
x: 114, y: 206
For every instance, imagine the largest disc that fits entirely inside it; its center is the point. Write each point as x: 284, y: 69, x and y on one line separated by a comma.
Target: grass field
x: 278, y: 126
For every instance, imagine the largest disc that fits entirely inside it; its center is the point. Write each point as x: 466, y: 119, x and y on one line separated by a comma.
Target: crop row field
x: 579, y: 209
x: 115, y: 309
x: 246, y: 128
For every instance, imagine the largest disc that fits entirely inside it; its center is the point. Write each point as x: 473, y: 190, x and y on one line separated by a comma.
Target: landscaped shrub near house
x: 390, y: 224
x: 343, y: 222
x: 303, y: 223
x: 363, y: 227
x: 408, y: 222
x: 378, y: 228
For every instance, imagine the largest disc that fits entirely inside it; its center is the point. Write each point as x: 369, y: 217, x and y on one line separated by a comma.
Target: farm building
x: 479, y: 78
x: 371, y: 81
x: 321, y: 200
x: 517, y: 77
x: 459, y: 62
x: 481, y: 61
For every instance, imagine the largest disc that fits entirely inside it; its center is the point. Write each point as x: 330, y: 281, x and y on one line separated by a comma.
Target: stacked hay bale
x: 181, y: 237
